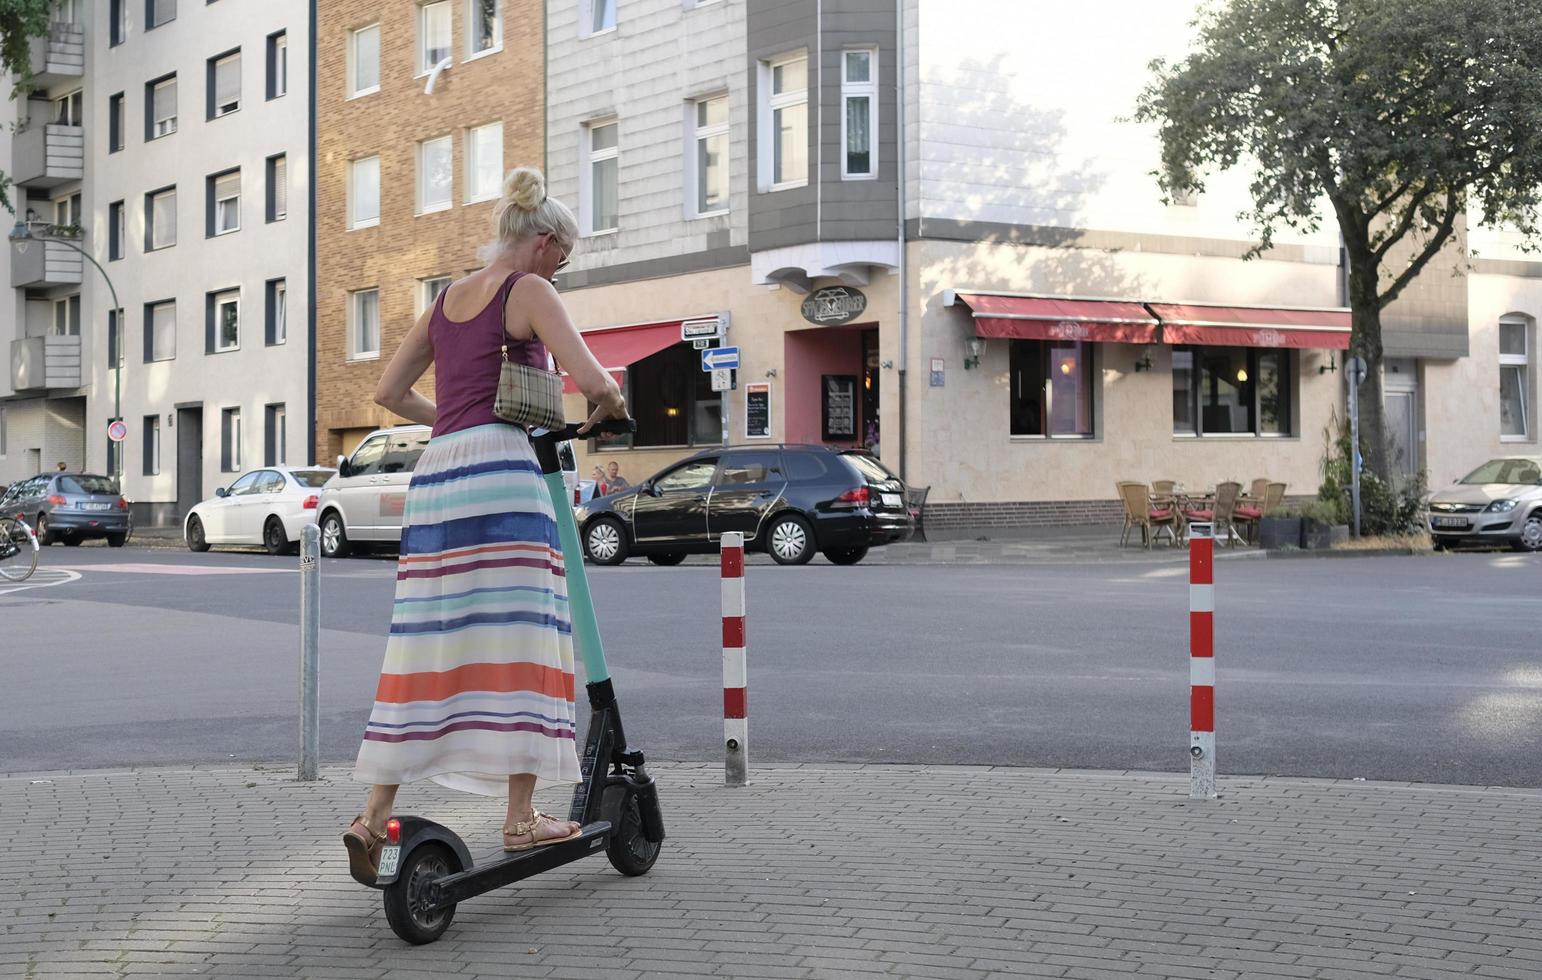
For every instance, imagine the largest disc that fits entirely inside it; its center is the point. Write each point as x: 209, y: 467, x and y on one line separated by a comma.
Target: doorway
x: 189, y: 460
x: 1400, y: 401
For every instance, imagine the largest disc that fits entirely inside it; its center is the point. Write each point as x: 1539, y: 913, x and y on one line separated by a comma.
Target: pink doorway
x: 832, y: 385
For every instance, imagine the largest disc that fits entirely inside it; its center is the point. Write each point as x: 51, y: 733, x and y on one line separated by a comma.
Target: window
x: 278, y: 65
x: 859, y: 113
x: 160, y: 331
x: 486, y: 31
x: 364, y: 61
x: 160, y: 219
x: 68, y: 11
x: 430, y: 291
x: 276, y: 296
x: 597, y: 198
x: 275, y: 436
x: 672, y: 400
x: 691, y: 476
x: 784, y: 124
x: 158, y: 12
x: 364, y: 324
x: 433, y: 34
x: 66, y: 317
x: 436, y: 175
x: 484, y: 163
x: 230, y: 447
x: 597, y: 16
x: 1514, y: 375
x: 224, y: 80
x: 115, y: 123
x: 160, y: 107
x: 364, y: 193
x: 365, y: 460
x: 114, y: 339
x: 68, y: 110
x: 707, y: 168
x: 67, y: 211
x: 1232, y: 390
x: 278, y: 187
x: 117, y: 232
x: 117, y: 22
x: 222, y: 321
x: 1051, y: 388
x: 755, y: 467
x: 152, y: 445
x: 224, y: 203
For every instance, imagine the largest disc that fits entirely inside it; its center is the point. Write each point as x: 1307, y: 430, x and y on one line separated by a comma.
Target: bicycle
x: 18, y: 549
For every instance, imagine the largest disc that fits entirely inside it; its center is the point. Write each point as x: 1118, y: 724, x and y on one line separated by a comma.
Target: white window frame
x: 230, y: 427
x: 586, y: 176
x: 157, y: 242
x: 694, y: 134
x: 155, y: 446
x: 228, y: 180
x: 472, y: 13
x: 165, y: 125
x: 280, y: 189
x: 449, y: 197
x: 354, y: 221
x: 280, y: 312
x: 424, y: 65
x: 861, y: 90
x: 491, y: 193
x: 61, y: 323
x: 228, y: 297
x: 281, y: 430
x: 234, y: 58
x: 156, y: 353
x: 586, y: 12
x: 69, y: 109
x: 425, y: 299
x: 1522, y: 361
x: 355, y: 303
x: 765, y: 125
x: 281, y: 65
x: 353, y: 61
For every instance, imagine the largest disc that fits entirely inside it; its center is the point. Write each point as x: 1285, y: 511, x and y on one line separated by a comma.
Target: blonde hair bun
x: 524, y: 188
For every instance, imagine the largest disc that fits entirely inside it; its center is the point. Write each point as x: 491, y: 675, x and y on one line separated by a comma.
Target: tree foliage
x: 20, y: 22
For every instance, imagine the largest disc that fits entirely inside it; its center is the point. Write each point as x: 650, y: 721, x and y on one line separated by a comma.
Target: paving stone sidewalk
x: 816, y: 871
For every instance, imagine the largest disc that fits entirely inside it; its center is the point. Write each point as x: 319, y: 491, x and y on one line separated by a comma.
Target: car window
x: 366, y: 459
x: 246, y: 484
x: 86, y: 484
x: 691, y: 476
x: 1521, y: 471
x: 272, y: 482
x: 805, y: 466
x: 871, y: 470
x: 311, y: 478
x: 402, y: 451
x: 742, y: 468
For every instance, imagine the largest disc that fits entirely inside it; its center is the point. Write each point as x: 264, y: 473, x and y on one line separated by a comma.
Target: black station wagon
x: 789, y: 501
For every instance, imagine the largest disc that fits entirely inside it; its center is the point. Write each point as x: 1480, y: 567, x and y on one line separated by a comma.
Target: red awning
x: 617, y: 348
x: 1057, y: 318
x: 1253, y: 326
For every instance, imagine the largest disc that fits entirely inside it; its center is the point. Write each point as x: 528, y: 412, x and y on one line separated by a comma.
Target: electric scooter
x: 426, y: 869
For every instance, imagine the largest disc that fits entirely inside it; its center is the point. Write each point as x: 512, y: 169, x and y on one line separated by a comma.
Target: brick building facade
x: 435, y: 158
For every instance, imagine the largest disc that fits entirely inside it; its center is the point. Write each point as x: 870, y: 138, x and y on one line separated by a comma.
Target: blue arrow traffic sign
x: 719, y: 357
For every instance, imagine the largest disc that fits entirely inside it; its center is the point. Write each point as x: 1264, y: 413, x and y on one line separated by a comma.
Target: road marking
x: 145, y: 568
x: 40, y: 579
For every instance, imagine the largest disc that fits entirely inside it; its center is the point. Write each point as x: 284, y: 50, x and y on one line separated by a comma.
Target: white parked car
x: 267, y: 507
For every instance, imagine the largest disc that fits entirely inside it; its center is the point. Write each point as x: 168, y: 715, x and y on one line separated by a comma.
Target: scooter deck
x: 503, y: 868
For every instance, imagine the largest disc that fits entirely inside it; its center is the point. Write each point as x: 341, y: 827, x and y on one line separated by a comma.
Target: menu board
x: 757, y: 410
x: 838, y: 408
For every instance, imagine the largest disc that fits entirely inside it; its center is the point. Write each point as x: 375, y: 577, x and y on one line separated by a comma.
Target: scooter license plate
x: 390, y: 858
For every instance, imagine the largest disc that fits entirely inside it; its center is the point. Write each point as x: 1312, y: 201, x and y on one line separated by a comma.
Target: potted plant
x: 1323, y: 524
x: 1280, y: 530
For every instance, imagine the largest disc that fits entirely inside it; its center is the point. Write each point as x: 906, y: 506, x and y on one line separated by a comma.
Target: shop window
x: 1052, y: 388
x: 1232, y: 391
x: 1514, y: 374
x: 672, y: 399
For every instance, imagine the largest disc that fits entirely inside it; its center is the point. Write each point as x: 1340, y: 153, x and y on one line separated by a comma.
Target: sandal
x: 533, y: 832
x: 363, y: 851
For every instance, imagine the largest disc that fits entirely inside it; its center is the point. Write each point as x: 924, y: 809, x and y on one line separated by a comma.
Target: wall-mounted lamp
x: 1143, y: 363
x: 886, y: 365
x: 1242, y: 376
x: 771, y: 372
x: 1330, y: 367
x: 976, y: 348
x: 671, y: 411
x: 170, y: 420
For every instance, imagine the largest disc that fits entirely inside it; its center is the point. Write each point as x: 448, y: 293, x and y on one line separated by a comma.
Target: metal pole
x: 310, y: 642
x: 1354, y: 445
x: 1201, y: 662
x: 736, y: 726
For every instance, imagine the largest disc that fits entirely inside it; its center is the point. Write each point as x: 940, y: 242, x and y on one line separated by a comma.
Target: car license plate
x: 1460, y: 523
x: 892, y: 500
x: 390, y: 857
x: 95, y: 506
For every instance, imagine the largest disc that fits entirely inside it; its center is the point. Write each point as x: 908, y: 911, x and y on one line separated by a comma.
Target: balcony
x: 47, y: 155
x: 40, y: 363
x: 58, y: 58
x: 41, y: 265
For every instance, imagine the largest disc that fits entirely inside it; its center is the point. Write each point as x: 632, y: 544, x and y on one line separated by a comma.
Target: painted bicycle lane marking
x: 40, y: 579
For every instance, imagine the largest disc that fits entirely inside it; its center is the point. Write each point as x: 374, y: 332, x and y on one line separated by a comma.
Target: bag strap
x: 503, y: 310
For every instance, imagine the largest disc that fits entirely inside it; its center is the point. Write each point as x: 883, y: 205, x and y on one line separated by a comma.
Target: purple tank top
x: 468, y: 361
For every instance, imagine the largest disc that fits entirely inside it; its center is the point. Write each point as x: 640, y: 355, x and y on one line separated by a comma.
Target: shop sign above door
x: 834, y: 305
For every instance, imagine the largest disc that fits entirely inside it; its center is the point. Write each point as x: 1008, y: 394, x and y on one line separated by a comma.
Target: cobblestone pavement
x: 817, y: 871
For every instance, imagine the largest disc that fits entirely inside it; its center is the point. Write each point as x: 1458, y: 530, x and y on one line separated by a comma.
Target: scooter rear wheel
x: 630, y: 852
x: 405, y: 907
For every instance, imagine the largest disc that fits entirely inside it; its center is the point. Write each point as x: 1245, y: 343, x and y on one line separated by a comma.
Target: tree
x: 20, y: 22
x: 1400, y: 113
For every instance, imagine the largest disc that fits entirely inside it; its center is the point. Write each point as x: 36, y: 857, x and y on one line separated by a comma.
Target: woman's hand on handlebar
x: 611, y: 408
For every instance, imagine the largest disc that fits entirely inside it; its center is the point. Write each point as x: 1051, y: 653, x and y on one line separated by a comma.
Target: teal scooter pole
x: 586, y: 627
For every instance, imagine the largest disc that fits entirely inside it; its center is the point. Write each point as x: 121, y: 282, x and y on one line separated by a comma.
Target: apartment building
x: 423, y: 107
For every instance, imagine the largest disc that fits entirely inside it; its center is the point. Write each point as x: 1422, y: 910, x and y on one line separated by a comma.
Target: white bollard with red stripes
x: 1201, y: 662
x: 736, y: 726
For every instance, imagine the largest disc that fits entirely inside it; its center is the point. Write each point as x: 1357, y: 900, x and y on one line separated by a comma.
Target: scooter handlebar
x: 570, y: 431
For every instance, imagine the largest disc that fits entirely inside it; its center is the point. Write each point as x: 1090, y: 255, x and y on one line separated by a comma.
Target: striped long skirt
x: 478, y: 676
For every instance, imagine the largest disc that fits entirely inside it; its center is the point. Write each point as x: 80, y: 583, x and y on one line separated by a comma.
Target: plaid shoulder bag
x: 526, y: 395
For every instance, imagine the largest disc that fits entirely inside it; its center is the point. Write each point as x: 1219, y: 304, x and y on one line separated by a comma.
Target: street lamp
x: 32, y: 230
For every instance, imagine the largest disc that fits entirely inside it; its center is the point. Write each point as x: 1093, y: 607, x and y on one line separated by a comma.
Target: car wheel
x: 790, y: 540
x: 44, y: 536
x: 846, y: 556
x: 116, y: 540
x: 334, y: 537
x: 195, y: 537
x: 1531, y: 534
x: 273, y: 537
x: 667, y: 558
x: 605, y: 542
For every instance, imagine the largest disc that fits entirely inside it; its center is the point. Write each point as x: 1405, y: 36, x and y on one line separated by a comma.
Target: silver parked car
x: 1500, y: 501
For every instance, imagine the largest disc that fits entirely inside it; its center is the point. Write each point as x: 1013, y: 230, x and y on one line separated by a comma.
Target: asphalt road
x: 1418, y: 668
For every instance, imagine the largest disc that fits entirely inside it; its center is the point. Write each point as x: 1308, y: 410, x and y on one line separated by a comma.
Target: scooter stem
x: 586, y: 627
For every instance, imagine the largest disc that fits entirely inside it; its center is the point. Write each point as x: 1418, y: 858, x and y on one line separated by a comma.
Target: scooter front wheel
x: 406, y: 905
x: 630, y: 851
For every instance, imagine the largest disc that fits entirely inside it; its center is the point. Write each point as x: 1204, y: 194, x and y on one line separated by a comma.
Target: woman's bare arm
x: 412, y: 358
x: 537, y: 300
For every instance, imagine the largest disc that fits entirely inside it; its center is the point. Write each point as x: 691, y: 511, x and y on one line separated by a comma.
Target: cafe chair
x: 1139, y: 511
x: 1221, y: 513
